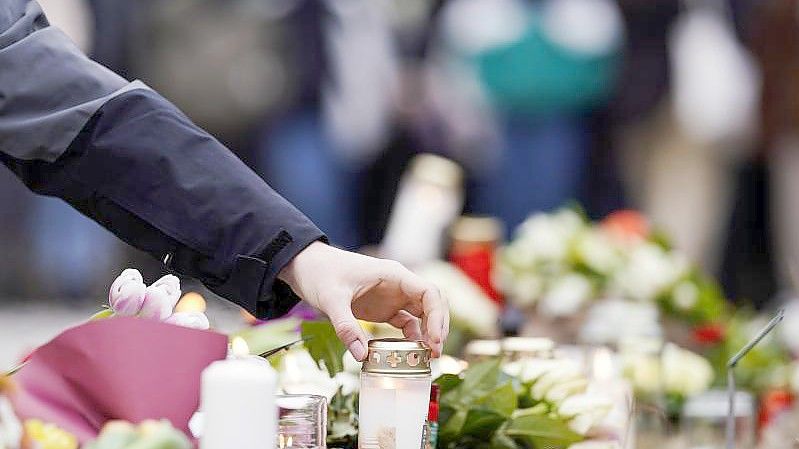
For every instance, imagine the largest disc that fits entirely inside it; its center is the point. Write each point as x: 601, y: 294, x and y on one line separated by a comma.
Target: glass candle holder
x: 302, y: 421
x: 704, y: 419
x: 395, y: 395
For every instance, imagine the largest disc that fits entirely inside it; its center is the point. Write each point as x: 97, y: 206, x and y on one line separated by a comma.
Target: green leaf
x: 502, y: 400
x: 482, y: 423
x: 451, y: 427
x: 541, y: 431
x: 478, y: 381
x: 323, y: 345
x: 105, y: 313
x: 448, y: 382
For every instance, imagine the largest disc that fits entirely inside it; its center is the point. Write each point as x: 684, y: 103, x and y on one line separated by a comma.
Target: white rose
x: 685, y: 372
x: 644, y: 372
x: 598, y: 251
x: 566, y: 295
x: 547, y: 236
x: 526, y: 289
x: 649, y: 271
x: 685, y: 295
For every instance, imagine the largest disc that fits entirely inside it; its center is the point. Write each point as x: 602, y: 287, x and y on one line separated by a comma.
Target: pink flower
x: 161, y: 297
x: 194, y: 320
x: 126, y: 295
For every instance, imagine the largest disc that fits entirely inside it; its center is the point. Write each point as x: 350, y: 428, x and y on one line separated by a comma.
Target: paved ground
x: 25, y: 325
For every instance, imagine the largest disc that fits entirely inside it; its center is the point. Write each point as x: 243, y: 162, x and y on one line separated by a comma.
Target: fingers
x: 408, y: 323
x: 434, y: 307
x: 347, y: 328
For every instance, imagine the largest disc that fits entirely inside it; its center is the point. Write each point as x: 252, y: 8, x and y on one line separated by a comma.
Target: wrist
x: 292, y: 273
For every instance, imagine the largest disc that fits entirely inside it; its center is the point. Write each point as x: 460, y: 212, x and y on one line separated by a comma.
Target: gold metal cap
x: 397, y: 357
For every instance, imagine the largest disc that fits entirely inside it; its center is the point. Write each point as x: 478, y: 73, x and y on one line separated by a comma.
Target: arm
x: 130, y: 160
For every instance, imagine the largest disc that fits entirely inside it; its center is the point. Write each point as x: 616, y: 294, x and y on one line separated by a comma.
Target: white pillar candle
x: 238, y: 401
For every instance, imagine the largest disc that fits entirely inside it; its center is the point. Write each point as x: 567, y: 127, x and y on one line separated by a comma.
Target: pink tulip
x: 194, y: 320
x: 126, y: 295
x: 161, y: 297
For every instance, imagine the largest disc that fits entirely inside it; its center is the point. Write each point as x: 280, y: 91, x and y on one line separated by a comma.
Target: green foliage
x: 481, y: 411
x: 323, y: 345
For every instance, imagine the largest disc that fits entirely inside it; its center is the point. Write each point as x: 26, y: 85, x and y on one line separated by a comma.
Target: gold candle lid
x: 396, y: 356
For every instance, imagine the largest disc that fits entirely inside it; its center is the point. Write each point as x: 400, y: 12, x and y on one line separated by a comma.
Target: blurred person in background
x: 685, y: 120
x: 513, y: 81
x: 126, y: 157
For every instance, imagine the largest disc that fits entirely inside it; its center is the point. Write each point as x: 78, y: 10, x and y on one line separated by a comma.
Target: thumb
x: 348, y: 330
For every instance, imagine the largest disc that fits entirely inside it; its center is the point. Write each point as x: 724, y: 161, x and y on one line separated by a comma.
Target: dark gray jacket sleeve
x: 129, y: 159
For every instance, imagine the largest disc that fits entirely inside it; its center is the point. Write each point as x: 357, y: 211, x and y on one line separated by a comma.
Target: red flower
x: 709, y: 334
x: 626, y: 224
x: 772, y: 404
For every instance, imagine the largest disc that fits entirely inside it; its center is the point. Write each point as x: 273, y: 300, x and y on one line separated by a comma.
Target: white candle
x: 238, y: 401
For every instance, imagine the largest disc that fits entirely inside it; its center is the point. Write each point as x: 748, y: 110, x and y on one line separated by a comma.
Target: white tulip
x: 161, y: 297
x: 586, y: 410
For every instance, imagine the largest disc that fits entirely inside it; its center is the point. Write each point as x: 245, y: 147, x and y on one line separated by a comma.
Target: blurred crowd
x: 687, y: 110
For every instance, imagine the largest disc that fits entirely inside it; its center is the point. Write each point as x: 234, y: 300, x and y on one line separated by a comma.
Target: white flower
x: 649, y: 271
x: 685, y: 295
x: 686, y: 373
x: 546, y: 237
x: 597, y: 250
x: 586, y: 410
x: 566, y: 295
x: 682, y: 372
x: 644, y: 373
x: 161, y: 297
x: 469, y: 305
x: 299, y: 374
x: 566, y: 371
x: 126, y: 295
x: 10, y: 428
x: 559, y: 392
x: 526, y: 289
x: 612, y: 320
x: 530, y: 369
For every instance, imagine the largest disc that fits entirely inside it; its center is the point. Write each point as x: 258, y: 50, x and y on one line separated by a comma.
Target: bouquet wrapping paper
x: 119, y: 368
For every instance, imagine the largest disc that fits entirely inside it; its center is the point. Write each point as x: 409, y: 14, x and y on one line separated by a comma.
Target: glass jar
x: 395, y: 395
x: 704, y: 420
x: 302, y: 421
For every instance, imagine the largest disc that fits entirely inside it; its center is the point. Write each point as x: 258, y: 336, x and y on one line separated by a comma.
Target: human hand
x: 346, y: 286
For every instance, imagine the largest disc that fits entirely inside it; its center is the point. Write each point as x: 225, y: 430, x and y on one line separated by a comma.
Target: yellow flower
x: 49, y: 436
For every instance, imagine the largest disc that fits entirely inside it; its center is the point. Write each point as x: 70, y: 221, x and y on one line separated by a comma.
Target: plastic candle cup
x: 395, y: 395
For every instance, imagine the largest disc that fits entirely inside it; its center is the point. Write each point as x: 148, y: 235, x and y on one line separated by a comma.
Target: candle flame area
x: 285, y: 441
x: 239, y: 347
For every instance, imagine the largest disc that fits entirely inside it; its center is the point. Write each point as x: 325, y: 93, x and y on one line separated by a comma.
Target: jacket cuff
x: 253, y: 282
